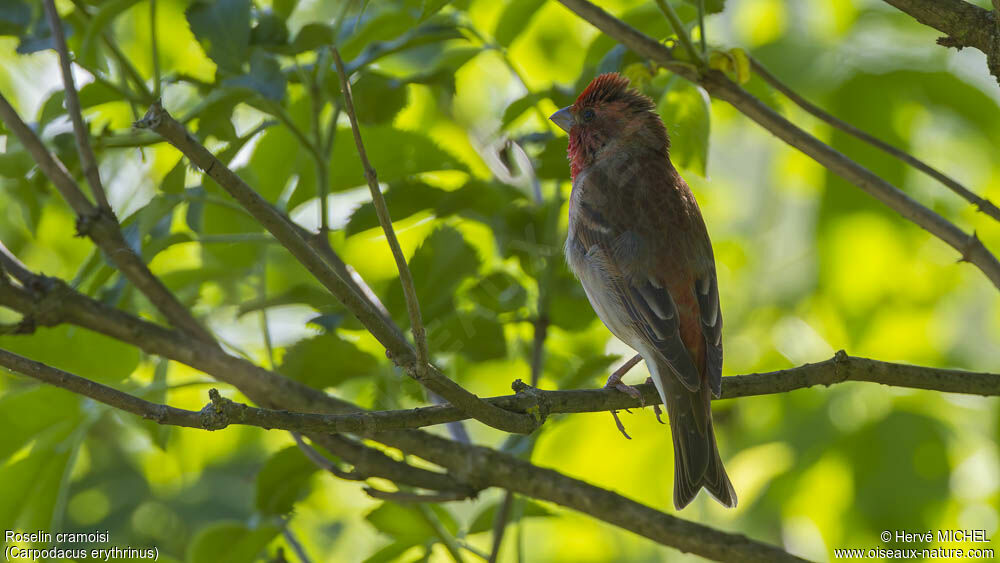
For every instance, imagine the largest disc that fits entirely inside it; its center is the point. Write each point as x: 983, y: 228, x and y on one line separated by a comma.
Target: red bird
x: 639, y: 245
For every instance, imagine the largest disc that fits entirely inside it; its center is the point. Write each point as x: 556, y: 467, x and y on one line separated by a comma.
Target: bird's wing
x: 707, y: 291
x: 612, y: 265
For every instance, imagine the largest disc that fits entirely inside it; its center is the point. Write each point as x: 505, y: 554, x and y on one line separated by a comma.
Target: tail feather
x: 697, y: 463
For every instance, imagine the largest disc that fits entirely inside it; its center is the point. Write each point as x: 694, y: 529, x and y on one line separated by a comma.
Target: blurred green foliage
x: 452, y: 97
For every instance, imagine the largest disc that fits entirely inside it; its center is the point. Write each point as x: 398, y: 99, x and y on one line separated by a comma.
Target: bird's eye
x: 588, y: 114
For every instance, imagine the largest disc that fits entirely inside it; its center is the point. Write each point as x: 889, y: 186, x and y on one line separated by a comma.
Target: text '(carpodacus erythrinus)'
x: 639, y: 245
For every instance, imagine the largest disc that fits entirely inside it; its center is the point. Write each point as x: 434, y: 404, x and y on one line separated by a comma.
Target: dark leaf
x: 326, y: 361
x: 230, y: 542
x: 475, y: 336
x: 283, y: 480
x: 377, y: 97
x: 269, y: 31
x: 311, y: 36
x: 499, y: 292
x: 438, y: 266
x: 15, y: 16
x: 223, y: 29
x: 265, y: 76
x: 173, y: 182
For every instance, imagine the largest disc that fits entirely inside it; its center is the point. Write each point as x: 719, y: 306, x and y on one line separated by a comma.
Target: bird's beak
x: 563, y: 118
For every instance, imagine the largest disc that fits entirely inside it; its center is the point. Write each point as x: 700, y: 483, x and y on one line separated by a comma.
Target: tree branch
x: 101, y: 226
x: 288, y: 235
x: 966, y: 25
x: 719, y: 86
x: 80, y: 130
x: 984, y: 205
x: 382, y: 211
x: 51, y: 302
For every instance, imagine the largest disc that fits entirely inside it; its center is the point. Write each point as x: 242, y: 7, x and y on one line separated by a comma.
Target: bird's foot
x: 621, y: 427
x: 615, y: 382
x: 656, y: 408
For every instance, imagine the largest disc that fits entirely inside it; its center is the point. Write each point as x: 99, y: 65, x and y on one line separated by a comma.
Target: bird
x: 639, y: 245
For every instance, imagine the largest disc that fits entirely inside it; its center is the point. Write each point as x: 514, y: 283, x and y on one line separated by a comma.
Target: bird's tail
x: 696, y: 456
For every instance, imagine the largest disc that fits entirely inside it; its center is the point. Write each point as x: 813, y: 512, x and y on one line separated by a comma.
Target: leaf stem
x: 682, y: 34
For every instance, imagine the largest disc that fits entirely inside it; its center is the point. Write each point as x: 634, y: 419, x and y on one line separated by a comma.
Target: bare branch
x: 719, y: 86
x: 51, y: 302
x: 101, y: 226
x: 162, y: 414
x: 289, y: 235
x: 984, y: 205
x: 382, y: 211
x: 80, y: 130
x: 967, y: 25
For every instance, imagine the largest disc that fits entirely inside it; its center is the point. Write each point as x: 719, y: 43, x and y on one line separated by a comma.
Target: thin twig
x: 411, y: 497
x: 500, y: 524
x: 154, y: 50
x: 718, y: 85
x: 984, y: 205
x: 681, y: 32
x: 701, y: 27
x: 81, y: 133
x: 382, y: 210
x: 323, y: 462
x: 443, y: 534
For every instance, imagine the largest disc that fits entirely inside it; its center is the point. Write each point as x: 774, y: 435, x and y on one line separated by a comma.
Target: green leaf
x: 105, y: 15
x: 223, y: 29
x: 311, y: 36
x: 685, y: 109
x: 475, y: 336
x: 377, y: 97
x: 326, y: 361
x: 395, y: 154
x: 28, y: 414
x: 284, y: 8
x: 407, y: 525
x: 230, y: 542
x: 711, y: 6
x: 92, y: 94
x: 77, y: 351
x: 519, y: 106
x: 265, y: 76
x: 283, y: 480
x: 432, y: 7
x: 484, y: 520
x: 173, y: 182
x: 270, y: 31
x: 403, y: 199
x: 438, y: 266
x: 499, y: 292
x: 515, y: 18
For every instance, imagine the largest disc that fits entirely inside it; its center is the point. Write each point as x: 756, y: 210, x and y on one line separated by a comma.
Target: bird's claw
x: 621, y: 427
x: 657, y: 411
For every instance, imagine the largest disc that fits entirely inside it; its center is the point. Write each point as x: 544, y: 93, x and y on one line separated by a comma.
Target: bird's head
x: 610, y: 112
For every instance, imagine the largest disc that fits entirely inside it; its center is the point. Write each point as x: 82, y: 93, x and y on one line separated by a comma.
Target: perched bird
x: 639, y: 246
